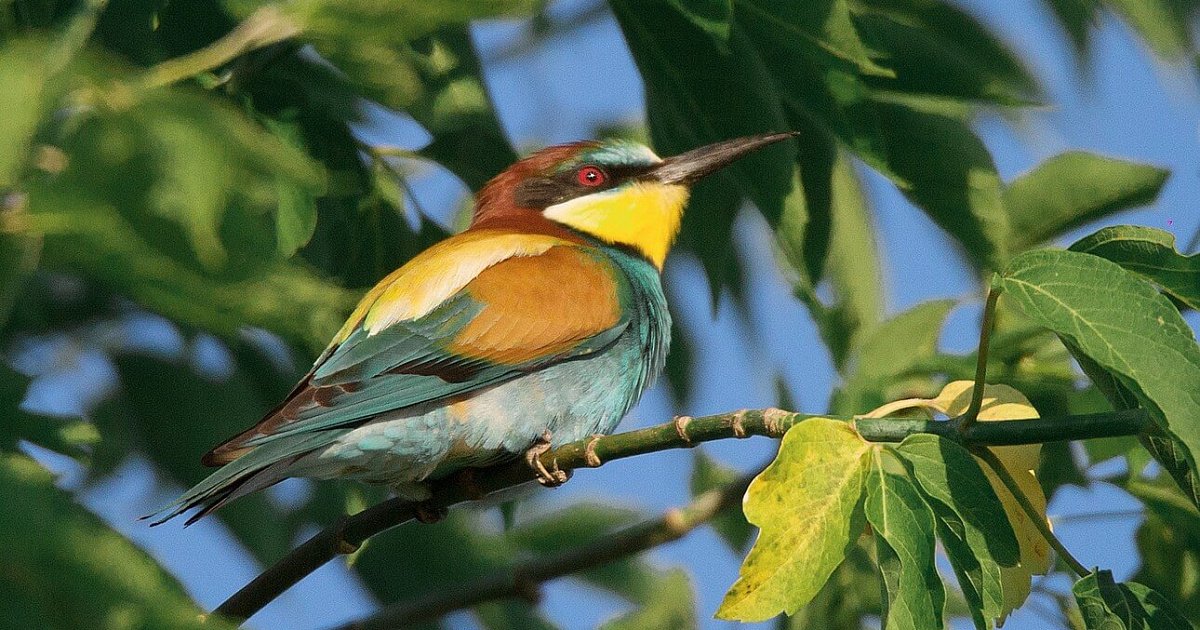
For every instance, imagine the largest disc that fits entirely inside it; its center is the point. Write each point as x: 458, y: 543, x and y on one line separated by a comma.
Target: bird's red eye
x: 591, y: 176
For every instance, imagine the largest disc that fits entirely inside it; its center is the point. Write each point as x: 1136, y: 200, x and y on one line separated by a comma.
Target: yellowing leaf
x: 1001, y: 402
x: 806, y: 505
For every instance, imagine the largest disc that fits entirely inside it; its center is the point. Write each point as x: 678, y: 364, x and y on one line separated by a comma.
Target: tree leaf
x: 1073, y: 188
x: 672, y: 605
x: 711, y: 16
x: 904, y: 543
x: 887, y: 350
x: 701, y: 90
x: 954, y: 181
x: 852, y: 266
x: 820, y: 26
x: 69, y: 436
x: 806, y: 504
x: 730, y: 525
x: 972, y: 522
x: 1001, y: 402
x: 24, y: 74
x: 1120, y: 322
x: 940, y: 50
x: 1161, y: 23
x: 1150, y: 253
x: 1108, y: 605
x: 72, y: 570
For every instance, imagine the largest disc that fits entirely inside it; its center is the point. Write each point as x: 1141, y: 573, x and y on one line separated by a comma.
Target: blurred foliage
x: 202, y: 161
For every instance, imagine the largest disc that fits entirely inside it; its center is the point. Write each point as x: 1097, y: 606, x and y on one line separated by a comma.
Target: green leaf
x: 1162, y: 23
x: 807, y: 506
x: 65, y: 435
x: 820, y: 26
x: 467, y: 136
x: 579, y: 524
x: 953, y: 180
x: 1073, y: 188
x: 1123, y: 324
x: 19, y: 255
x: 700, y: 90
x: 711, y: 16
x: 730, y: 525
x: 888, y: 350
x: 1170, y: 557
x: 1107, y: 605
x: 971, y: 520
x: 672, y: 605
x: 373, y: 43
x: 1150, y: 253
x: 939, y: 50
x: 23, y: 72
x: 72, y: 570
x: 852, y: 268
x: 904, y: 543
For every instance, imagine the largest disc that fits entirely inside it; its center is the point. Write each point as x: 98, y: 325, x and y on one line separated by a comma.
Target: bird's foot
x: 549, y: 477
x: 429, y: 514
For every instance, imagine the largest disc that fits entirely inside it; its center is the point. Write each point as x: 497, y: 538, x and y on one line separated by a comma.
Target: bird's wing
x: 460, y: 317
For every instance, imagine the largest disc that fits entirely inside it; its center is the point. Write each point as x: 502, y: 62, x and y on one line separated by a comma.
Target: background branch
x: 349, y: 532
x: 524, y: 580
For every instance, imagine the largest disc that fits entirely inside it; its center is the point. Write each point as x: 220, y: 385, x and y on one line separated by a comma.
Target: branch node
x: 589, y: 452
x: 774, y: 420
x: 739, y: 431
x: 675, y: 523
x: 681, y: 423
x: 345, y: 547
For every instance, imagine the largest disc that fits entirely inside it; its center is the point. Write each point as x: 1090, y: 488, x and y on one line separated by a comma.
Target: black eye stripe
x: 544, y: 191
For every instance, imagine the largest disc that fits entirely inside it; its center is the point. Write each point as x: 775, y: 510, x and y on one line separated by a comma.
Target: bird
x: 540, y: 324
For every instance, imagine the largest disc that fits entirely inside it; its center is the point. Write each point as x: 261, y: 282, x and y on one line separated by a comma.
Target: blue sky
x: 1124, y: 104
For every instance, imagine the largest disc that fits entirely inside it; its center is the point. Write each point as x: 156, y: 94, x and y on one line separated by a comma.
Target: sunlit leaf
x: 1123, y: 324
x: 807, y: 506
x: 1150, y: 253
x: 1073, y: 188
x: 23, y: 72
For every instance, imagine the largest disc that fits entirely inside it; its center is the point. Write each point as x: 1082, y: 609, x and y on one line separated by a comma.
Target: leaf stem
x: 350, y: 532
x: 985, y: 333
x: 523, y: 580
x: 268, y: 25
x: 1038, y: 521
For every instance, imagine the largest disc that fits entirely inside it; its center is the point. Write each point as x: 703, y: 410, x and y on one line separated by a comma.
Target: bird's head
x: 617, y: 191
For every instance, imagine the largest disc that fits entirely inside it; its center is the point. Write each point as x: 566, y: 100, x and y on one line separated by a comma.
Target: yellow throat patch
x: 642, y: 215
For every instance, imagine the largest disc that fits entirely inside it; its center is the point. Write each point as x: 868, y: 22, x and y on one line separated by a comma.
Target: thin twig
x: 985, y: 333
x: 524, y: 580
x: 1037, y: 519
x: 350, y: 532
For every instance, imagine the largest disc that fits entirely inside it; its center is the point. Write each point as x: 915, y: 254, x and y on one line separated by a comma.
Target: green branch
x: 523, y: 580
x: 350, y: 532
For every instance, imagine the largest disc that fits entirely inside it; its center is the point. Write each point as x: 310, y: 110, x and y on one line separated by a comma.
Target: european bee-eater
x: 540, y: 324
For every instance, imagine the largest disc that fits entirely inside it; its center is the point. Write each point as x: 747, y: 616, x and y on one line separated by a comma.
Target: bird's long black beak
x: 686, y: 168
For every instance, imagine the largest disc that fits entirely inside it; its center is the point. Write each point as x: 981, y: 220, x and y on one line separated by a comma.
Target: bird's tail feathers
x: 258, y: 469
